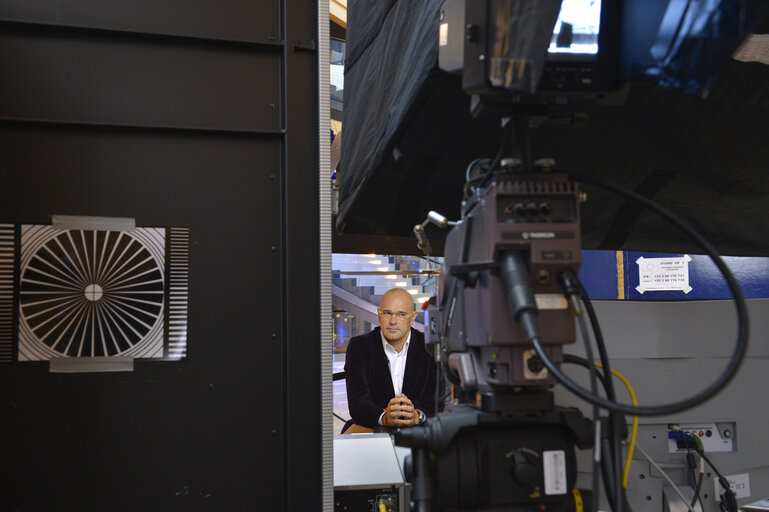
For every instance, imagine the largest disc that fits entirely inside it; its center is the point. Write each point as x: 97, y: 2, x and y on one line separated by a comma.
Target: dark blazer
x: 369, y: 385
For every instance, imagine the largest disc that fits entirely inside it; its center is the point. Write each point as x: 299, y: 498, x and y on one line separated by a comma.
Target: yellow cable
x: 579, y: 505
x: 633, y: 431
x: 382, y: 507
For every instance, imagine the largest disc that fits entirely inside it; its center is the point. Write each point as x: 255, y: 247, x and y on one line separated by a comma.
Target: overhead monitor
x: 576, y: 31
x: 583, y: 54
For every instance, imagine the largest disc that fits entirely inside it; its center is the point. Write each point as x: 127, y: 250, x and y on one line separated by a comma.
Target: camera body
x: 534, y: 214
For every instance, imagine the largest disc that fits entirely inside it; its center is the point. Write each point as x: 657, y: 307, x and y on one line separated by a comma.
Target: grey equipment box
x: 367, y: 471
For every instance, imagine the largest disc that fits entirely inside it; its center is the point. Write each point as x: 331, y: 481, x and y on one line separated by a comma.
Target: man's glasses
x: 400, y: 315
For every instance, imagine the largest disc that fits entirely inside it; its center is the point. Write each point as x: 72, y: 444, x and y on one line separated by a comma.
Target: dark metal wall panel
x: 216, y: 19
x: 93, y: 77
x: 218, y: 136
x: 170, y: 435
x: 155, y: 176
x: 303, y: 262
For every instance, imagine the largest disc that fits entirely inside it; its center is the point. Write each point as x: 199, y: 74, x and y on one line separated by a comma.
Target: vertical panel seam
x: 283, y: 335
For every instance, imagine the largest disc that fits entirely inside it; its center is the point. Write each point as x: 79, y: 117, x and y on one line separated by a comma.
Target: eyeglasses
x: 400, y: 315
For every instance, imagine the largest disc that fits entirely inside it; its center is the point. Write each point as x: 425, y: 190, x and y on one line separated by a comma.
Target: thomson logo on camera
x: 537, y: 235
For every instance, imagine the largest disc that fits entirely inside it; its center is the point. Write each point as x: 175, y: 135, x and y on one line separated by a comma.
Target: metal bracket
x: 468, y: 272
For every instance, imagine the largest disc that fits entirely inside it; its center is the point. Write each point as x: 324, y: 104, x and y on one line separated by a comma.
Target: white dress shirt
x: 397, y: 364
x: 396, y: 361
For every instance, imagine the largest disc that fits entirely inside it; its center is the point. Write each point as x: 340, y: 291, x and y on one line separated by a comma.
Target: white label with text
x: 663, y: 274
x: 554, y: 465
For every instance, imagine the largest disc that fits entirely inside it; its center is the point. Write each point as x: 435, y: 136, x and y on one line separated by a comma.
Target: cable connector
x: 729, y: 500
x: 685, y: 441
x: 570, y: 284
x: 520, y: 295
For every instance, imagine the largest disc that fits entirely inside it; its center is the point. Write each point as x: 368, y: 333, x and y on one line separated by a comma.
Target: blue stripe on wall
x: 599, y: 276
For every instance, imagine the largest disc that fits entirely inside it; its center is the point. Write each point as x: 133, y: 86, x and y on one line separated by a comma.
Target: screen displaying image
x: 577, y: 27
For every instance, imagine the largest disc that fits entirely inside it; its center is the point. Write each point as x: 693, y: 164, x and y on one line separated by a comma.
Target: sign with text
x: 663, y: 274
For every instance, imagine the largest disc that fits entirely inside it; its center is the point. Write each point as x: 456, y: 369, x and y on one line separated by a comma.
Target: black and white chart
x: 90, y: 293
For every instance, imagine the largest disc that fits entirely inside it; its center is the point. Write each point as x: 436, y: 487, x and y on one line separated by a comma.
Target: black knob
x: 523, y: 470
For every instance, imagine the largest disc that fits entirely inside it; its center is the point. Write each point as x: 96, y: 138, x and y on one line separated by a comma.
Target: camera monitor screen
x: 576, y: 30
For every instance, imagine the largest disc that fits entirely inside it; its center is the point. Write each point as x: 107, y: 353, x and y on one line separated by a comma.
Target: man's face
x: 394, y: 328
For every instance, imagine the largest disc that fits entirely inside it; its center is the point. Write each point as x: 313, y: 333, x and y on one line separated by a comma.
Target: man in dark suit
x: 390, y: 376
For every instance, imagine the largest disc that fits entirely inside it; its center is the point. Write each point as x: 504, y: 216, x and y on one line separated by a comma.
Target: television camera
x: 508, y: 292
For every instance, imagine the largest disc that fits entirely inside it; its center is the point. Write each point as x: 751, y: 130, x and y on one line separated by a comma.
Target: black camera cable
x: 520, y: 297
x: 607, y: 469
x: 728, y: 498
x: 742, y: 319
x: 483, y: 179
x: 572, y: 293
x: 696, y: 480
x: 614, y: 417
x: 581, y: 361
x: 594, y: 390
x: 612, y: 458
